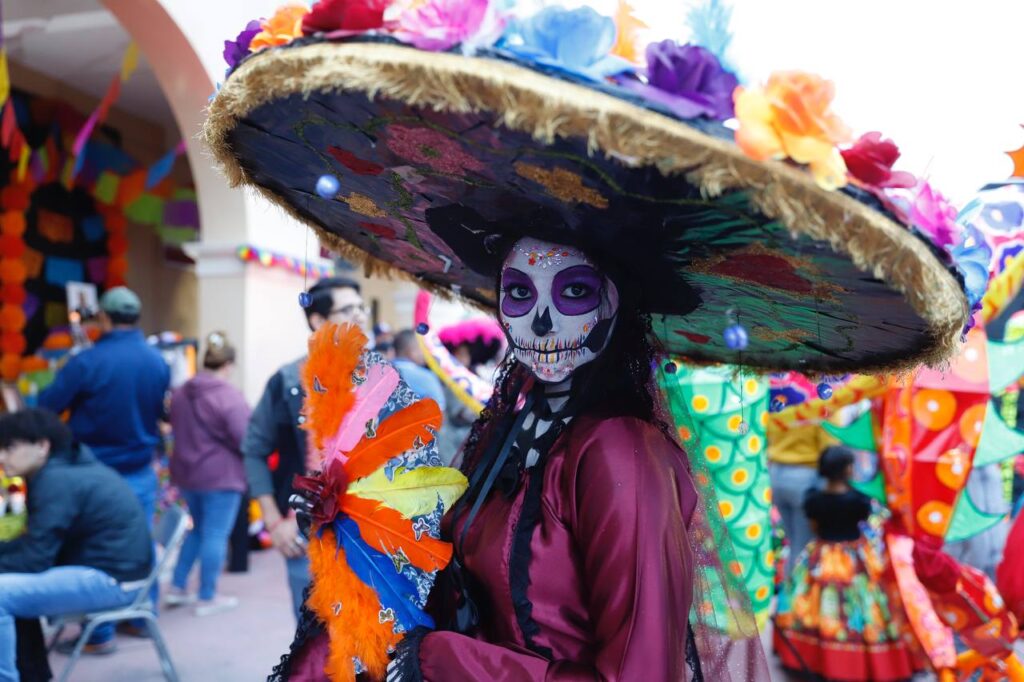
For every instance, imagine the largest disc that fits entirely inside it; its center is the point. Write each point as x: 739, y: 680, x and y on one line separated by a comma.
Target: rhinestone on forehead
x: 545, y: 258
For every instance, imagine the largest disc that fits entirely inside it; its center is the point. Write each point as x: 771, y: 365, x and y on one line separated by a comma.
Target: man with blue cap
x: 115, y: 392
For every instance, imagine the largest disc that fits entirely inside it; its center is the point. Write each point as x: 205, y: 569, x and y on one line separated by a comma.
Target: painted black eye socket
x: 576, y: 291
x: 518, y: 292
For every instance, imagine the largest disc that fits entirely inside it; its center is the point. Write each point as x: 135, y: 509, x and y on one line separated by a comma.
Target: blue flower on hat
x: 577, y: 41
x: 973, y: 257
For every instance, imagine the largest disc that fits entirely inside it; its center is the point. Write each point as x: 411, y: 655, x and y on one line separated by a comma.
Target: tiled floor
x: 240, y: 645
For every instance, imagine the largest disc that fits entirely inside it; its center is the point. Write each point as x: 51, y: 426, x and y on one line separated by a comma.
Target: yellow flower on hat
x: 280, y: 29
x: 790, y: 118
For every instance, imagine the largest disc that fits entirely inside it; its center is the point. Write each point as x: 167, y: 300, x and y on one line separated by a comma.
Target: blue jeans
x: 144, y: 484
x: 213, y: 516
x: 58, y: 591
x: 298, y: 578
x: 790, y: 483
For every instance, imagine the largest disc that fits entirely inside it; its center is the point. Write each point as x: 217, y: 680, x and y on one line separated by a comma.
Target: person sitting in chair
x: 87, y: 546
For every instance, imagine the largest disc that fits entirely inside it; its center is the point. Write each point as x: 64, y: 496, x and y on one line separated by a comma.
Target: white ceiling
x: 80, y: 43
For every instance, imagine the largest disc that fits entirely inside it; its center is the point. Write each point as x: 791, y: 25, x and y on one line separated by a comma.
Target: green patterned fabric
x: 721, y: 418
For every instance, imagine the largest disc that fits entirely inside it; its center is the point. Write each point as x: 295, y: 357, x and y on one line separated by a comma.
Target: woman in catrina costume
x: 607, y: 216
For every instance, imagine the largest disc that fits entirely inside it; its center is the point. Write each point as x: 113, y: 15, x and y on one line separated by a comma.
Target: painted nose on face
x: 541, y: 324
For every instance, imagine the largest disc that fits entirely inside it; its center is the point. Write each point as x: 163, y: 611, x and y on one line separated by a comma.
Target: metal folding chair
x: 169, y: 535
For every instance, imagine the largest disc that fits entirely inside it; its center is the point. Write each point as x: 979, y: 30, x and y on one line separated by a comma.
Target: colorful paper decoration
x: 722, y: 417
x: 129, y: 62
x: 269, y: 259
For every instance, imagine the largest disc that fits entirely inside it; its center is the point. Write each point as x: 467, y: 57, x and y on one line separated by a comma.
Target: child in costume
x: 840, y: 615
x: 604, y: 213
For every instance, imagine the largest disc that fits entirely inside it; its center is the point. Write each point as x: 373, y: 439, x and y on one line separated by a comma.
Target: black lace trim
x: 522, y: 552
x: 407, y: 655
x: 309, y: 628
x: 692, y: 657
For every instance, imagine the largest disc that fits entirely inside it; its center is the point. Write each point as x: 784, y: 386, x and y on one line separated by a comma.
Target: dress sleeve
x: 631, y: 498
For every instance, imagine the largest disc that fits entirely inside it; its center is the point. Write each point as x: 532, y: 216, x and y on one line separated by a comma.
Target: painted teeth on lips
x: 552, y: 345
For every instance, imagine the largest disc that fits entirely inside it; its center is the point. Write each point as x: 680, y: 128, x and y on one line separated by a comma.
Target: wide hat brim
x: 444, y: 160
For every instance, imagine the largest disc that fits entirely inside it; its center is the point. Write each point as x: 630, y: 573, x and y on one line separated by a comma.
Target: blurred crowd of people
x: 92, y: 478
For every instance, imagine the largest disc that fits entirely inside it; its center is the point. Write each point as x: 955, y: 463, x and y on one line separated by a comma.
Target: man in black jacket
x: 87, y: 545
x: 276, y: 426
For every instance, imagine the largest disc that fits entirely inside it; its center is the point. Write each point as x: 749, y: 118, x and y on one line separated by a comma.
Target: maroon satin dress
x: 610, y: 572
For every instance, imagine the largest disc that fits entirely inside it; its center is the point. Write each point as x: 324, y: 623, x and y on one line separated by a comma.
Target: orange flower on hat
x: 280, y: 29
x: 790, y: 118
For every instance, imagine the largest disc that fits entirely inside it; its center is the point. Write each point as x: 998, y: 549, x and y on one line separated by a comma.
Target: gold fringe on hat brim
x: 548, y: 108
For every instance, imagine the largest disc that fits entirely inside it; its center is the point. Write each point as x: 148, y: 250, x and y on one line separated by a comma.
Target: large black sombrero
x: 443, y: 159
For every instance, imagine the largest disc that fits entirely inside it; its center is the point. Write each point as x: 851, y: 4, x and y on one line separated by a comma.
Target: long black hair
x: 619, y: 382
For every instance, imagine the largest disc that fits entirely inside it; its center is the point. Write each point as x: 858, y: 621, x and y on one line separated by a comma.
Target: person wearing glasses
x: 276, y: 427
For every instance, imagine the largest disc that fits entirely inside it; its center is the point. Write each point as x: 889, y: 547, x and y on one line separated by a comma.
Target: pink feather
x: 381, y: 381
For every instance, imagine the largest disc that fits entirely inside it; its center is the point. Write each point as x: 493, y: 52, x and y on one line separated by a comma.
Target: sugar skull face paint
x: 556, y: 308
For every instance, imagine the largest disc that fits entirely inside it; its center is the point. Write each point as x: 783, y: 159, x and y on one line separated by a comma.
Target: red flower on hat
x: 329, y: 16
x: 870, y: 162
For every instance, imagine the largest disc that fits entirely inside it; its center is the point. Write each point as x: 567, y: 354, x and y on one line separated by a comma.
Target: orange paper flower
x: 790, y: 118
x: 12, y: 223
x: 280, y: 29
x: 12, y: 343
x: 12, y: 318
x: 10, y: 366
x: 12, y: 271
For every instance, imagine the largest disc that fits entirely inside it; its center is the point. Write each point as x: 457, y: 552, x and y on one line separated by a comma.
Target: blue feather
x: 709, y: 28
x: 394, y: 590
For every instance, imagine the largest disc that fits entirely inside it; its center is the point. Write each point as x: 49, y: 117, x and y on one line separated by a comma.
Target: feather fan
x: 385, y: 529
x: 413, y: 492
x: 395, y: 435
x: 377, y: 570
x: 346, y: 606
x: 367, y: 545
x: 370, y: 398
x: 334, y: 353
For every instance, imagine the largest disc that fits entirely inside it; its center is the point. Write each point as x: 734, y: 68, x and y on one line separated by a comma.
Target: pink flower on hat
x: 932, y: 213
x: 439, y: 25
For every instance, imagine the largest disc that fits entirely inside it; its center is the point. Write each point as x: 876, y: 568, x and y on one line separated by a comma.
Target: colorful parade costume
x: 840, y: 613
x: 465, y: 148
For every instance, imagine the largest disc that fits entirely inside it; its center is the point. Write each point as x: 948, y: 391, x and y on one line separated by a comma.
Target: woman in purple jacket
x: 209, y: 417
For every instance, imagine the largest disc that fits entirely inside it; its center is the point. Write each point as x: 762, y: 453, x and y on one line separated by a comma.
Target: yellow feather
x: 412, y: 492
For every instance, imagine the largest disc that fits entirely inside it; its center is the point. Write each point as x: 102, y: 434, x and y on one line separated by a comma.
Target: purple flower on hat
x: 687, y: 79
x: 235, y: 50
x: 578, y: 41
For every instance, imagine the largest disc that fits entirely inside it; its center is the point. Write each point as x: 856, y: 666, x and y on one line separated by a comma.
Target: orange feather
x: 395, y: 435
x: 353, y: 627
x: 386, y: 530
x: 334, y: 353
